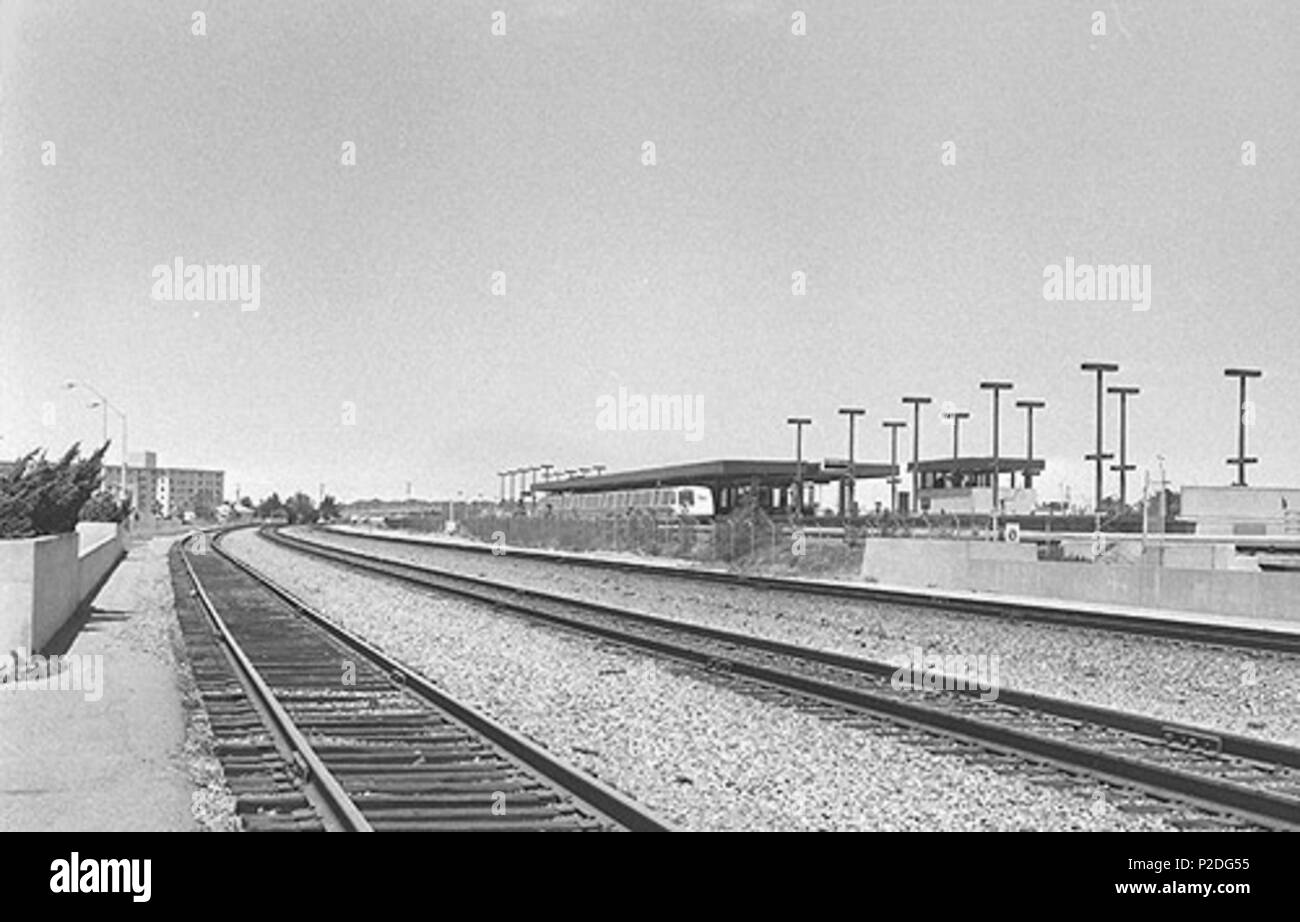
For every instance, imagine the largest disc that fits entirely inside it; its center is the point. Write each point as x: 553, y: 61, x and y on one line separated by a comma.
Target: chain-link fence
x: 635, y: 533
x: 740, y: 539
x: 749, y: 538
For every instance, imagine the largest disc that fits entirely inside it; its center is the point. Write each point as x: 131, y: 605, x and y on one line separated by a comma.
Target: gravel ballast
x: 705, y: 757
x: 1235, y: 691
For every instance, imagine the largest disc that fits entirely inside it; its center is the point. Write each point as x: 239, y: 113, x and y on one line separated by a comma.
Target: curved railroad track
x: 1240, y: 636
x: 1197, y: 777
x: 318, y: 729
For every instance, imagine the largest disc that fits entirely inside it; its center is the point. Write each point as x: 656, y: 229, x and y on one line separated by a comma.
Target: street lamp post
x: 97, y: 405
x: 917, y: 403
x: 847, y: 505
x: 1241, y: 374
x: 1029, y: 406
x: 997, y: 387
x: 1123, y: 392
x: 1099, y: 456
x: 798, y: 422
x: 103, y: 401
x: 893, y: 425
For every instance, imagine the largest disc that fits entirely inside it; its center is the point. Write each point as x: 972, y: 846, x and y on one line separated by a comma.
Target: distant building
x: 1233, y: 510
x: 964, y: 486
x: 166, y: 490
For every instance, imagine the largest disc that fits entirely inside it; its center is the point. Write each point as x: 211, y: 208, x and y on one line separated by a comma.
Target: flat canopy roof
x: 978, y: 465
x: 712, y: 474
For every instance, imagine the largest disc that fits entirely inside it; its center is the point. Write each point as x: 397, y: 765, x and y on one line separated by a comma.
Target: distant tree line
x: 297, y: 509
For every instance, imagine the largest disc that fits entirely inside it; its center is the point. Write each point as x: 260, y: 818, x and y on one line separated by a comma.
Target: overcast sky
x: 524, y: 154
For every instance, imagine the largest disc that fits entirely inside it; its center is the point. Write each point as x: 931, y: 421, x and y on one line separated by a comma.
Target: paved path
x: 70, y: 762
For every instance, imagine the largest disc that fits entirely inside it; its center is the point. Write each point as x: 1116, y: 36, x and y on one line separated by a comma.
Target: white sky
x: 522, y: 154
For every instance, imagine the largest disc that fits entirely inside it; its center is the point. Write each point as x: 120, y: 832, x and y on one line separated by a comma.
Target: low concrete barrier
x: 929, y: 564
x: 939, y: 563
x: 101, y: 546
x: 44, y: 580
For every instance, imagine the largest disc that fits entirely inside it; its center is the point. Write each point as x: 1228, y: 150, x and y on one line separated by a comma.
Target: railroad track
x: 318, y: 730
x: 1228, y: 635
x: 1196, y: 777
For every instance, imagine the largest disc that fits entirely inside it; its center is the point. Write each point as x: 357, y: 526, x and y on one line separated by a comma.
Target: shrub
x: 270, y: 507
x: 746, y: 531
x: 329, y: 508
x: 40, y: 497
x: 203, y: 505
x: 105, y: 507
x: 300, y: 510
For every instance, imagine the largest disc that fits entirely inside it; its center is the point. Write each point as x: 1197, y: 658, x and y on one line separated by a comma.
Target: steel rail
x: 607, y: 802
x: 1257, y: 805
x: 324, y: 789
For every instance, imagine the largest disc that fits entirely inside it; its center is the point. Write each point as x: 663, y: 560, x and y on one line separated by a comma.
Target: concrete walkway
x: 108, y: 757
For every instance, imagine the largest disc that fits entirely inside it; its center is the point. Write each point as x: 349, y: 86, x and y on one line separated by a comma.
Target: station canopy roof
x: 978, y: 465
x: 712, y: 474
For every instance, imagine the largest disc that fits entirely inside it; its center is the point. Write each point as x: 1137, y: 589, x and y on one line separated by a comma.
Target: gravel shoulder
x: 1236, y: 691
x: 703, y: 756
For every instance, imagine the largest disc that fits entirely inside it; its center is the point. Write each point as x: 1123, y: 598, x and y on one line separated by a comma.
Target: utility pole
x: 1146, y: 509
x: 1099, y: 456
x: 1123, y: 467
x: 957, y: 416
x: 917, y: 403
x: 997, y: 387
x: 1163, y: 496
x: 849, y: 487
x: 893, y: 425
x: 798, y: 422
x: 1241, y: 374
x: 1029, y: 406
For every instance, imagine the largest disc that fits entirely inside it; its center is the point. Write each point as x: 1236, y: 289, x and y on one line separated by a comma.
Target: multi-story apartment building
x: 166, y: 490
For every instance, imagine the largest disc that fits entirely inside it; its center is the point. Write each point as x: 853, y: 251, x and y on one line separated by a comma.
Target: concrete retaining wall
x: 44, y: 580
x: 101, y: 546
x: 940, y: 564
x: 1225, y: 592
